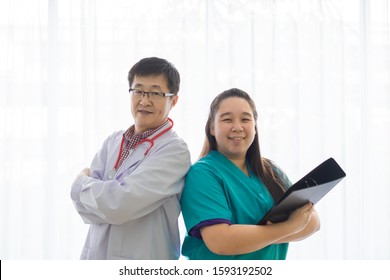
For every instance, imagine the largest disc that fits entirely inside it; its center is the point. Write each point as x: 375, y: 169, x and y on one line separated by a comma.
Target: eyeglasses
x: 152, y: 95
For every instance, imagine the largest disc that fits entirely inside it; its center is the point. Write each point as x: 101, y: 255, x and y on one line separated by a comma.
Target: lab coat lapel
x: 132, y: 160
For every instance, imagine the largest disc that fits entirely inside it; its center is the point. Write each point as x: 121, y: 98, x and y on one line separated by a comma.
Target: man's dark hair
x: 154, y: 66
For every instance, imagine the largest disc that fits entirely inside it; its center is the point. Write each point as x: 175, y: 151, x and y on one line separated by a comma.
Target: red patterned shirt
x: 132, y: 139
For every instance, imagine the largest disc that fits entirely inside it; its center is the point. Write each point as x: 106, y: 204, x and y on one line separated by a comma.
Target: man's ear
x: 174, y: 101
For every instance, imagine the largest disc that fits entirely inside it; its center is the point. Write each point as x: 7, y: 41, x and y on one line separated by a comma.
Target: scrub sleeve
x: 216, y: 189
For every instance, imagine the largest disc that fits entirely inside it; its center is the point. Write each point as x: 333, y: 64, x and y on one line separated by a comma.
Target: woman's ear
x: 212, y: 131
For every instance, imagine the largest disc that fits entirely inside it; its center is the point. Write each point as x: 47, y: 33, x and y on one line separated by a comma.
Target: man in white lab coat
x: 130, y: 194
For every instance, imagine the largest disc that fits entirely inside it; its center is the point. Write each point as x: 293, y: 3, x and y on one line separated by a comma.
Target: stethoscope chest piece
x: 111, y: 174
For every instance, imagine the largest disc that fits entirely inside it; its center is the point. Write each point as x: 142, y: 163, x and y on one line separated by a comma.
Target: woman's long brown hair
x: 263, y: 168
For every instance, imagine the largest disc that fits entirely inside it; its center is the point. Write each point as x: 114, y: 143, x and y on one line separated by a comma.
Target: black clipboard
x: 311, y: 188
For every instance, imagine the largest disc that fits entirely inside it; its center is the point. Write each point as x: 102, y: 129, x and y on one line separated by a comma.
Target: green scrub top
x: 216, y: 188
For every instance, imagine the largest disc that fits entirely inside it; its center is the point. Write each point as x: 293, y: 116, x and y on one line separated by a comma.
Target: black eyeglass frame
x: 142, y: 93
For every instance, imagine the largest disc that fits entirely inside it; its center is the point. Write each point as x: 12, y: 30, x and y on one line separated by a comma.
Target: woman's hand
x: 301, y: 216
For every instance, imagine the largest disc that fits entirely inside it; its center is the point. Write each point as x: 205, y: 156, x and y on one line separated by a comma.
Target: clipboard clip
x: 309, y: 183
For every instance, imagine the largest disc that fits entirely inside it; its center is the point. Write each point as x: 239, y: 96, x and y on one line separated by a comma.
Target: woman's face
x: 234, y: 127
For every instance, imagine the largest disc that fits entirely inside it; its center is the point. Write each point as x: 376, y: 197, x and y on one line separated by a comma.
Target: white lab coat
x: 135, y: 215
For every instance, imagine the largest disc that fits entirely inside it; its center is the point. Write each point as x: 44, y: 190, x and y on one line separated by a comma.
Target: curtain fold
x: 319, y: 72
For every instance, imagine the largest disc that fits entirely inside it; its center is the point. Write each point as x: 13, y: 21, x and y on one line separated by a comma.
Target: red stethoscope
x: 112, y: 173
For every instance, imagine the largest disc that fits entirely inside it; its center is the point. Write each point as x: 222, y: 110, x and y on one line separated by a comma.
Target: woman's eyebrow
x: 230, y: 113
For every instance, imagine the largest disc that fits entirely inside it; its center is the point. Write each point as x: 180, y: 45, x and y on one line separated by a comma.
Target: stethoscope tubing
x: 151, y: 141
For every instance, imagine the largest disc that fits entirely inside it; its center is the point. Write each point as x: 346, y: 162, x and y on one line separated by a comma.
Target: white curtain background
x: 319, y: 71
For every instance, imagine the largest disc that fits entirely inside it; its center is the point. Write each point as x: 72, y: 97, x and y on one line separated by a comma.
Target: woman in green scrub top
x: 232, y: 187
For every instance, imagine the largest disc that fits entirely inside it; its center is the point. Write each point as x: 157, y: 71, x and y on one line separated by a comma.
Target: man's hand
x: 86, y: 171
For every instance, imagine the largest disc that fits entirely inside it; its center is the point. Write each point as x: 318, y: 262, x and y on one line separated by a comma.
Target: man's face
x: 150, y: 111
